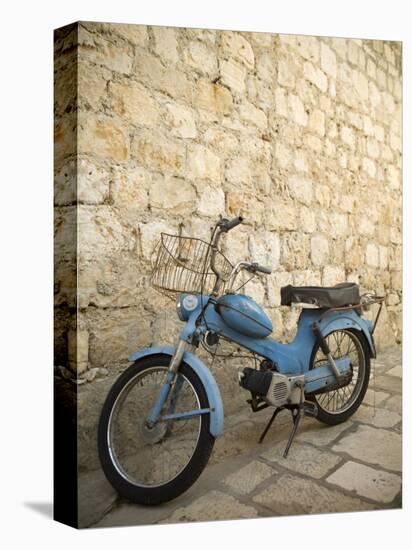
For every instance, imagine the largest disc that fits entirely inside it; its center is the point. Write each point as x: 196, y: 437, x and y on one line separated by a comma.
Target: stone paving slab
x: 395, y: 371
x: 303, y: 459
x: 375, y: 397
x: 213, y: 506
x: 246, y: 479
x: 394, y: 403
x: 314, y: 432
x: 378, y: 417
x: 290, y: 495
x: 366, y: 481
x: 389, y: 383
x: 374, y: 446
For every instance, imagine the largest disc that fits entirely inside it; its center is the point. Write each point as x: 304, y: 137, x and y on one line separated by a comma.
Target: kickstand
x: 297, y: 413
x: 268, y: 425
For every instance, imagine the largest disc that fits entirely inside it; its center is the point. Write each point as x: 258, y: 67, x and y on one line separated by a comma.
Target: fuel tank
x: 244, y: 315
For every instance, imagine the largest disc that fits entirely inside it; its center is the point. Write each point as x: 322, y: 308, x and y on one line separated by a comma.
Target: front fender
x: 209, y: 383
x: 348, y: 319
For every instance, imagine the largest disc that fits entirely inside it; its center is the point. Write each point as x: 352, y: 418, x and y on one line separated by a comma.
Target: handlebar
x: 257, y: 267
x: 226, y: 225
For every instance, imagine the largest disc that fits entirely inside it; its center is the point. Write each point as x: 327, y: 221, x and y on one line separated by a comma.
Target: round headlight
x: 190, y: 302
x: 185, y: 304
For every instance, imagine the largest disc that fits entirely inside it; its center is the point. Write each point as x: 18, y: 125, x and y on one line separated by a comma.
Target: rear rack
x: 366, y: 301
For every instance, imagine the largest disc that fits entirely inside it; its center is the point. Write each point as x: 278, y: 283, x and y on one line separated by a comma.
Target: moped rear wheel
x: 150, y: 466
x: 338, y: 405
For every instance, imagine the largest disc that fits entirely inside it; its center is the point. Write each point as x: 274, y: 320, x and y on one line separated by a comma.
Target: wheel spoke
x: 342, y: 343
x: 162, y: 452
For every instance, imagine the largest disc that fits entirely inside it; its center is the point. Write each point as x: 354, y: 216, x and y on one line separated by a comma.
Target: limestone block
x: 249, y: 113
x: 333, y: 275
x: 317, y: 122
x: 214, y: 98
x: 102, y: 232
x: 301, y: 189
x: 130, y: 189
x: 233, y: 75
x: 297, y: 110
x: 264, y: 248
x: 256, y: 290
x: 308, y: 47
x: 96, y: 49
x: 360, y: 83
x: 93, y: 182
x: 203, y: 164
x: 221, y: 140
x: 181, y: 120
x: 281, y: 215
x: 295, y: 251
x: 171, y: 193
x: 353, y: 253
x: 91, y: 85
x: 369, y: 166
x: 201, y: 57
x: 65, y: 183
x: 211, y: 202
x: 157, y: 152
x: 348, y: 137
x: 78, y: 348
x: 315, y: 76
x: 285, y: 74
x: 275, y: 283
x: 133, y: 102
x: 372, y: 147
x: 115, y: 333
x: 165, y: 43
x: 319, y: 249
x: 136, y: 34
x: 150, y: 70
x: 372, y: 255
x: 103, y: 137
x: 307, y: 219
x: 281, y: 102
x: 235, y: 45
x: 265, y: 67
x: 150, y: 235
x: 327, y: 60
x: 244, y: 204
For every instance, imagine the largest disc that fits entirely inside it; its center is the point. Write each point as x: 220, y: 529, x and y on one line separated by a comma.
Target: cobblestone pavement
x: 350, y: 467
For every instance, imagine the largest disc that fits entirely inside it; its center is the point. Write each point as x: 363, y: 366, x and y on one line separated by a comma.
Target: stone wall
x: 299, y: 134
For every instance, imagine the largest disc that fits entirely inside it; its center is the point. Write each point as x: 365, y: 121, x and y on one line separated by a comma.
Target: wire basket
x: 182, y: 264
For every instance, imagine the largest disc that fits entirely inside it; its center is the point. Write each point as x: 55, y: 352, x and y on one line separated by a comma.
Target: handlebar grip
x: 263, y: 269
x: 233, y: 223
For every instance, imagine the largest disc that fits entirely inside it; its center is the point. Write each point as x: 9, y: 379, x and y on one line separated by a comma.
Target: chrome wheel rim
x: 143, y: 460
x: 342, y: 343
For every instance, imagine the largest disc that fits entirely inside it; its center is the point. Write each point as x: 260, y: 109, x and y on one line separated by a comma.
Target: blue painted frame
x: 292, y: 358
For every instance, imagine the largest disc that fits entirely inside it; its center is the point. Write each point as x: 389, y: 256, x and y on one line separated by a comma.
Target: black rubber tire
x: 198, y: 461
x: 333, y: 419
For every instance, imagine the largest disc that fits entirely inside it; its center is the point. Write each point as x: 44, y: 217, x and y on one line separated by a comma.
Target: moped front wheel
x: 154, y: 465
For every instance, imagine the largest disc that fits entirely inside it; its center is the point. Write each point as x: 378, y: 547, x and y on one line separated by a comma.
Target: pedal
x: 310, y: 409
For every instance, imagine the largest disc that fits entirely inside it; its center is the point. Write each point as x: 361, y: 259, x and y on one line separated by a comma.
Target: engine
x: 276, y: 389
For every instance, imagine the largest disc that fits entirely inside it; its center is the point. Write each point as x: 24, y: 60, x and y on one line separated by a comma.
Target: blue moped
x: 161, y: 417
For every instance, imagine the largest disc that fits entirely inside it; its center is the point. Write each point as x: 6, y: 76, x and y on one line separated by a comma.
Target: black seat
x: 343, y: 294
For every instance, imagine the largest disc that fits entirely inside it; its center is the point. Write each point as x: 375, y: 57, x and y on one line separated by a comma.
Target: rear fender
x: 341, y: 320
x: 209, y: 383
